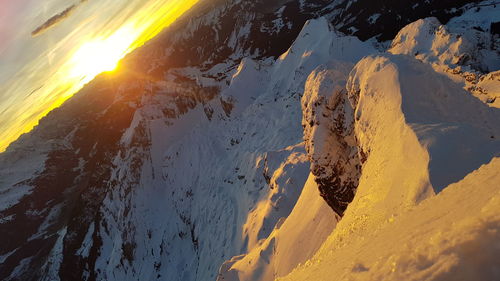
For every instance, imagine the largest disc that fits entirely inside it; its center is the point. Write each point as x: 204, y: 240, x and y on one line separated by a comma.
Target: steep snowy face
x: 260, y: 137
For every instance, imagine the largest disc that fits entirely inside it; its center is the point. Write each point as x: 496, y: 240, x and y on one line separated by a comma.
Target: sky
x: 50, y: 49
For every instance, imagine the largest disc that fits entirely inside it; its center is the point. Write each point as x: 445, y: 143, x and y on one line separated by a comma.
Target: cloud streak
x: 56, y: 19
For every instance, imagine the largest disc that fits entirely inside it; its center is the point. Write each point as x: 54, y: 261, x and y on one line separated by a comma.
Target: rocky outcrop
x: 328, y: 122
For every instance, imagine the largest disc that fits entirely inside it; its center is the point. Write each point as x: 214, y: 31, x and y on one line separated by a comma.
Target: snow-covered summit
x: 394, y: 135
x: 446, y: 236
x: 465, y: 49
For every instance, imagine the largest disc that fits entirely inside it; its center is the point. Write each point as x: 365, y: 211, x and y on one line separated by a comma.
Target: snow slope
x: 293, y: 241
x: 434, y: 240
x: 453, y: 140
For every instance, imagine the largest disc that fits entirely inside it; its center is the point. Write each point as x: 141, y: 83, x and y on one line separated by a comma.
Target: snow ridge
x: 359, y: 129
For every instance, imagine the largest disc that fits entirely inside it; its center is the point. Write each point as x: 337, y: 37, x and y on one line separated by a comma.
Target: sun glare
x: 94, y: 57
x: 101, y: 54
x: 96, y: 50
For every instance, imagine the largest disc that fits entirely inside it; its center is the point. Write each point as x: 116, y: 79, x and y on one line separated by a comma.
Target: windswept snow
x: 457, y: 131
x: 452, y: 236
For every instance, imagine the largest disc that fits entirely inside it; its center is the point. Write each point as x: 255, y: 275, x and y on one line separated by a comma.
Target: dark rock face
x: 226, y: 30
x: 384, y: 18
x: 495, y: 28
x: 328, y: 122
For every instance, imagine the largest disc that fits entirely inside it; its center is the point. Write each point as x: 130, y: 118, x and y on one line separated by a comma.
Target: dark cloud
x: 56, y: 19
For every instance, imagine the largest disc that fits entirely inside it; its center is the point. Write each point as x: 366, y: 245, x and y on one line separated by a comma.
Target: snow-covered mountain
x: 251, y: 138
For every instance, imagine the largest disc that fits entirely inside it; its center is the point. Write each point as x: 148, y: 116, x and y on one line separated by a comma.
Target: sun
x: 101, y: 54
x: 95, y: 57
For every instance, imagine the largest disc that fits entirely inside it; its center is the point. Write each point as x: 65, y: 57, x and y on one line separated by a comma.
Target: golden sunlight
x: 102, y: 54
x: 89, y: 53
